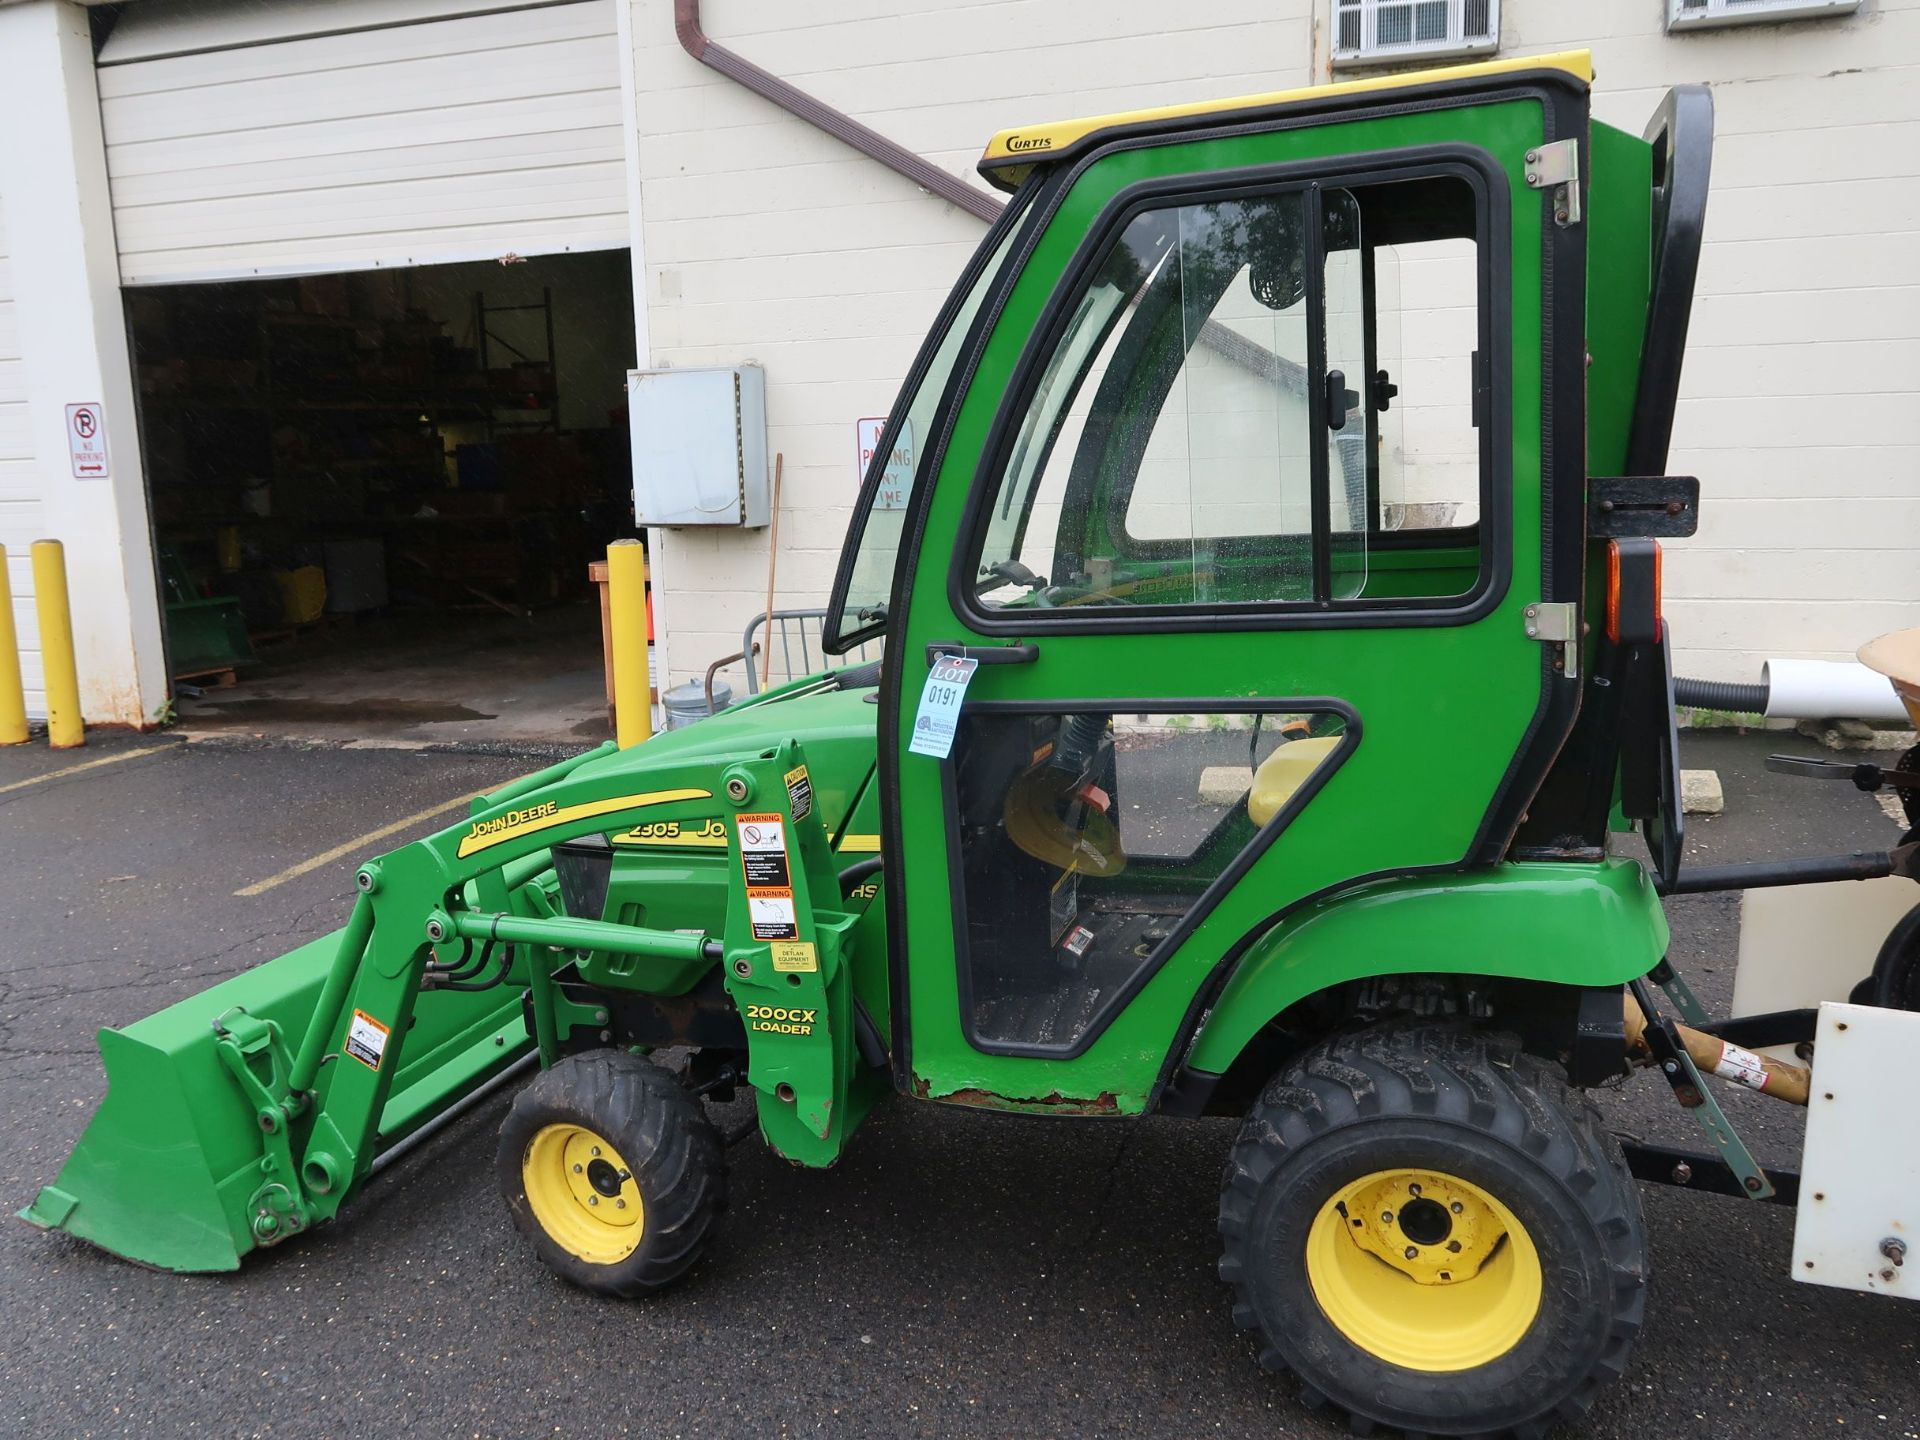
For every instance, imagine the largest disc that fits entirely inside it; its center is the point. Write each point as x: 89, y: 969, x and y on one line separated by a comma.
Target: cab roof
x: 1012, y: 154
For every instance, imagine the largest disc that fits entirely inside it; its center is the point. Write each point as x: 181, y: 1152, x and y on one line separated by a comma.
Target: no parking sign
x: 87, y: 441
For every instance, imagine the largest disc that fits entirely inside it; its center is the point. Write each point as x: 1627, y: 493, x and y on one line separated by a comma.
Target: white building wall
x: 72, y: 345
x: 1800, y: 405
x: 19, y: 490
x: 769, y: 241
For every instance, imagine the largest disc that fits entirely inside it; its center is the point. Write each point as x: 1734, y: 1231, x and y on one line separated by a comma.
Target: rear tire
x: 613, y: 1171
x: 1896, y: 970
x: 1357, y: 1174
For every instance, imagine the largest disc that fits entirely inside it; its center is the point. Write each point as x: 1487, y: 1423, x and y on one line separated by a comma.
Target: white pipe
x: 1828, y: 689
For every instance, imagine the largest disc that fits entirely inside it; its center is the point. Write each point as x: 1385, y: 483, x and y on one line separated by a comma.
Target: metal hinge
x: 1557, y: 624
x: 1556, y: 166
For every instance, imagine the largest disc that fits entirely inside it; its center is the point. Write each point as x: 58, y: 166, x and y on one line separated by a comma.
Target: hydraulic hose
x: 855, y: 873
x: 1721, y: 695
x: 498, y: 977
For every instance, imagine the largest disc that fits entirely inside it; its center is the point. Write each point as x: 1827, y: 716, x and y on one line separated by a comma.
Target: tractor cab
x: 1250, y: 467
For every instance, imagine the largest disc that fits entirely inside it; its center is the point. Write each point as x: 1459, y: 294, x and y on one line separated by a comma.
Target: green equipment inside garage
x: 1274, y: 685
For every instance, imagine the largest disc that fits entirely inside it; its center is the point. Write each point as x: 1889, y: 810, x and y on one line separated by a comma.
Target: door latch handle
x: 985, y: 654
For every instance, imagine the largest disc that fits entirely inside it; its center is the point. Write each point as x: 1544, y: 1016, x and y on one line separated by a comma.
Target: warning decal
x: 763, y: 851
x: 773, y: 916
x: 799, y: 793
x: 763, y: 858
x: 366, y: 1039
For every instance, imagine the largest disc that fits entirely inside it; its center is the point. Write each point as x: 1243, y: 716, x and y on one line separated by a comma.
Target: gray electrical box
x: 699, y: 445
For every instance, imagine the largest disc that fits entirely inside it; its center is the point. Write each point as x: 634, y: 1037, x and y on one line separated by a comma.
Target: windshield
x: 899, y: 462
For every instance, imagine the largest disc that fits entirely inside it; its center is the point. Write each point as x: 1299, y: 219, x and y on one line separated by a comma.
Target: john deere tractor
x: 1274, y: 679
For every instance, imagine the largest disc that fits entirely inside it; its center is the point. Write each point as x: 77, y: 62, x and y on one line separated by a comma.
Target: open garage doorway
x: 376, y: 496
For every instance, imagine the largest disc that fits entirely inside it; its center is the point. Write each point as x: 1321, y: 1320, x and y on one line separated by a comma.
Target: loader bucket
x: 167, y: 1167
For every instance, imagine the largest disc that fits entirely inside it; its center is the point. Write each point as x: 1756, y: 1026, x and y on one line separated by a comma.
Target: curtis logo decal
x: 1018, y: 143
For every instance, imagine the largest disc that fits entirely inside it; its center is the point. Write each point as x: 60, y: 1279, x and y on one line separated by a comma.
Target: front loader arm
x: 259, y: 1107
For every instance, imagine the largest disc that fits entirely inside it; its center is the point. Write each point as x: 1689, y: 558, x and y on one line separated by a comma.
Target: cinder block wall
x: 767, y: 241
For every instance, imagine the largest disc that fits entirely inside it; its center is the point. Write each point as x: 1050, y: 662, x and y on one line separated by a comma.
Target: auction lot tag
x: 939, y: 713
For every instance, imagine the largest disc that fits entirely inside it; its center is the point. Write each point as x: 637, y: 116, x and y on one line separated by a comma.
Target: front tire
x: 613, y: 1171
x: 1433, y: 1232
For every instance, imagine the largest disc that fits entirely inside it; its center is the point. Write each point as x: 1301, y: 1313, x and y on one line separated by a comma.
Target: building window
x: 1372, y: 32
x: 1700, y: 14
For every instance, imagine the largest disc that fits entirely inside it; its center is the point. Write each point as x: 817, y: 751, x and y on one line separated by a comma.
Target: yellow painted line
x: 358, y: 843
x: 83, y: 765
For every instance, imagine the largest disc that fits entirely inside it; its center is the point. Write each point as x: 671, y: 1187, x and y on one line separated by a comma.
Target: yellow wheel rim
x: 1424, y: 1270
x: 583, y: 1194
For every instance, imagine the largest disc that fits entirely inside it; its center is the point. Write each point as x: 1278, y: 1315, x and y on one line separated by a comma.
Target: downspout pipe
x: 871, y: 143
x: 1248, y: 354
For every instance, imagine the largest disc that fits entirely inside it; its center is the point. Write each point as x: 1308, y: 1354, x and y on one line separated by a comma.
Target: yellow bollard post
x: 13, y: 695
x: 627, y: 607
x: 64, y: 729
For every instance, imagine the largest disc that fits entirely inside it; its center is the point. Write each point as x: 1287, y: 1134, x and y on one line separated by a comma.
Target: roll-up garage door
x: 240, y: 143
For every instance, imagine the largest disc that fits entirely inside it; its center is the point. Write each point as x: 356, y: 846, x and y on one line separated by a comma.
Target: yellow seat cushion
x: 1285, y: 771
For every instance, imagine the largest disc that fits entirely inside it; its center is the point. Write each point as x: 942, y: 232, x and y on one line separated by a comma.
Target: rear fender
x: 1575, y: 923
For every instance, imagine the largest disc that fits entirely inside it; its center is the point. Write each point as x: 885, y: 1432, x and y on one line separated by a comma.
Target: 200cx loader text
x: 1288, y: 473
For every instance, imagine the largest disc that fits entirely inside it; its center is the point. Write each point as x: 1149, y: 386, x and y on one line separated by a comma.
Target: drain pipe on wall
x: 843, y: 127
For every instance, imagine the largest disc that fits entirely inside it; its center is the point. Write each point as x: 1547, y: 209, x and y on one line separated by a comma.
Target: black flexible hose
x: 498, y: 977
x: 465, y: 968
x: 1721, y: 695
x: 858, y: 871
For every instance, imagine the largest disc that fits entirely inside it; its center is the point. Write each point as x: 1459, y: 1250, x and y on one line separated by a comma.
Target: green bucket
x: 168, y: 1169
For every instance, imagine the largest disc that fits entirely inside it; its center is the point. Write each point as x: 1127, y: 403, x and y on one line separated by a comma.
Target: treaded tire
x: 1445, y: 1099
x: 658, y: 1128
x: 1896, y: 970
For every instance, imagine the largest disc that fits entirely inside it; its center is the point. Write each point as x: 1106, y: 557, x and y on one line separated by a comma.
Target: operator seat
x: 1285, y: 771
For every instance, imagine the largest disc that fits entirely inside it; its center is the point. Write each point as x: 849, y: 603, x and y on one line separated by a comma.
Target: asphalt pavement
x: 957, y: 1274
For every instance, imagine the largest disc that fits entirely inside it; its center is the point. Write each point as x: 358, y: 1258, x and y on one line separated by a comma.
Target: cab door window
x: 1269, y: 400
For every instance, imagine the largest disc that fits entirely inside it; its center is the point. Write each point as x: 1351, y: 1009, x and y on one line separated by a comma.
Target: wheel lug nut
x: 1456, y: 1207
x: 1413, y: 1190
x: 1413, y: 1252
x: 619, y: 1204
x: 578, y: 1168
x: 596, y: 1149
x: 1386, y: 1217
x: 593, y: 1199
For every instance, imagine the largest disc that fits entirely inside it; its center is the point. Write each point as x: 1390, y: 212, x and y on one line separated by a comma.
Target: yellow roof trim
x: 1029, y: 143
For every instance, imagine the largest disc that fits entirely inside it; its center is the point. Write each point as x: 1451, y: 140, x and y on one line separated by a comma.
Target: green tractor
x: 1273, y: 673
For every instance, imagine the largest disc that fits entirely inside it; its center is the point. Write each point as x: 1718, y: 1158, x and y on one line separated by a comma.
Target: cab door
x: 1238, y: 501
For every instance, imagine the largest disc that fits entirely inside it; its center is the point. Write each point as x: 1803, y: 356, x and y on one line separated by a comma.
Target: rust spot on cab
x: 1053, y: 1103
